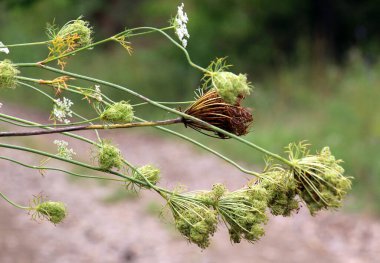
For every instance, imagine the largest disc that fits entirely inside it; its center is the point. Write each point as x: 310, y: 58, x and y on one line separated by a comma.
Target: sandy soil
x: 126, y: 231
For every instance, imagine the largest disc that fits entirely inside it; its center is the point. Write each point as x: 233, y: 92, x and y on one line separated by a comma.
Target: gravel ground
x: 127, y: 231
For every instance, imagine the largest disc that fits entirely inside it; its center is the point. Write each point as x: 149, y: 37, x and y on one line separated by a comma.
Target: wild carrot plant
x: 316, y: 180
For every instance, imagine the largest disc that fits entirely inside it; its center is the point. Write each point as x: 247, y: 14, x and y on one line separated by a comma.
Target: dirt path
x: 96, y: 231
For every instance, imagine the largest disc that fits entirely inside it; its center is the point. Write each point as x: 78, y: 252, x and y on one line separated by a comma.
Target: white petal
x: 3, y: 48
x: 184, y: 42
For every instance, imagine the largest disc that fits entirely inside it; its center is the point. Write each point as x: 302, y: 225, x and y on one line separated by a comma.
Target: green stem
x: 207, y: 149
x: 28, y: 44
x: 13, y: 203
x: 60, y: 170
x: 179, y: 46
x: 177, y: 134
x: 187, y: 139
x: 186, y: 116
x: 53, y: 100
x: 165, y: 103
x: 112, y: 38
x: 12, y: 118
x: 84, y: 165
x: 90, y: 127
x: 156, y: 188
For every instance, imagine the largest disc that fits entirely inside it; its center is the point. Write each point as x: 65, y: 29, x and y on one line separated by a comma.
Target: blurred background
x: 314, y: 64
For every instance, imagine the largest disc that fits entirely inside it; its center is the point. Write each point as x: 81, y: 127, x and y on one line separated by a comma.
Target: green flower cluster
x: 120, y: 112
x: 231, y: 87
x: 8, y: 73
x: 55, y: 212
x: 109, y: 156
x: 282, y: 191
x: 147, y: 173
x: 321, y: 183
x: 211, y: 198
x: 193, y: 219
x: 243, y: 211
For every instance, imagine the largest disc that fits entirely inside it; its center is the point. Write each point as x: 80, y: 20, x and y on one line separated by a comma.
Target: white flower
x: 1, y: 105
x: 3, y: 48
x: 62, y: 110
x: 98, y: 93
x: 63, y: 150
x: 180, y: 22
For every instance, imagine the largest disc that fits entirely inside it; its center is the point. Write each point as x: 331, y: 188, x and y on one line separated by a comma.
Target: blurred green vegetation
x: 313, y: 63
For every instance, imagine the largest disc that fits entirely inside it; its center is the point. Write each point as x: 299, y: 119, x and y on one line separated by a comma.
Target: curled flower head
x: 193, y: 219
x: 8, y: 73
x: 61, y: 110
x: 109, y: 156
x: 243, y: 211
x: 63, y: 150
x: 321, y: 183
x: 282, y: 191
x: 147, y: 173
x: 211, y: 108
x: 180, y: 22
x: 120, y: 112
x: 55, y: 212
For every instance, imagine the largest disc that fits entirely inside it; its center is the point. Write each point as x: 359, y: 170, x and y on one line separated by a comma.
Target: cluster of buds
x: 120, y: 113
x: 316, y: 180
x: 320, y: 180
x: 147, y: 173
x: 53, y: 211
x: 193, y: 219
x: 8, y: 74
x: 109, y: 156
x: 282, y: 191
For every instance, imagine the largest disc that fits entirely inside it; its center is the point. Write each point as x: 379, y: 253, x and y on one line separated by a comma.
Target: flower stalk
x: 315, y: 179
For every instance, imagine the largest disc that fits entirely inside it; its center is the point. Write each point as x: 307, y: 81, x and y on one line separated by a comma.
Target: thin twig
x: 92, y: 127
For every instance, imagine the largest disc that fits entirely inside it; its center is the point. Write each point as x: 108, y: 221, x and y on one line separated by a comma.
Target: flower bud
x: 231, y: 87
x: 243, y: 211
x: 55, y: 212
x: 109, y: 157
x: 282, y: 191
x: 120, y: 112
x: 147, y: 172
x: 8, y: 74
